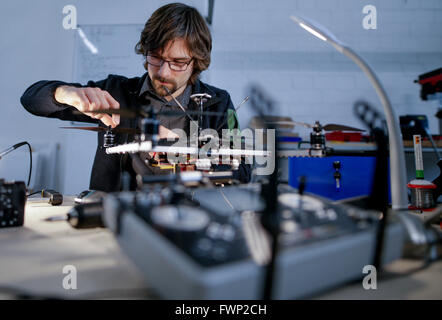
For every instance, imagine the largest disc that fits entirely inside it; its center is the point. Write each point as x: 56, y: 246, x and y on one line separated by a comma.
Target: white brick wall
x: 254, y: 42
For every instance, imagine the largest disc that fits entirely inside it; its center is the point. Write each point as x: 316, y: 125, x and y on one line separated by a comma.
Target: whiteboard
x: 101, y: 50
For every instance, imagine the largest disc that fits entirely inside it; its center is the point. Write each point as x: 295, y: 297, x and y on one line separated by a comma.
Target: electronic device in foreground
x: 207, y: 244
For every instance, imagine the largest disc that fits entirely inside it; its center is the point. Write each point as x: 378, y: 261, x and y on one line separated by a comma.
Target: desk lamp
x: 397, y: 158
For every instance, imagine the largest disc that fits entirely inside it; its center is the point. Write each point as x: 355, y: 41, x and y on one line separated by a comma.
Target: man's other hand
x: 90, y: 99
x: 165, y: 133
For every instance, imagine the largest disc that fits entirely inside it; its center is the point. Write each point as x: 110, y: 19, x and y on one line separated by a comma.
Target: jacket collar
x: 135, y: 86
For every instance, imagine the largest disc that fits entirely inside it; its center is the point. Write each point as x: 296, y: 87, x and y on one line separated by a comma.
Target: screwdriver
x: 82, y: 216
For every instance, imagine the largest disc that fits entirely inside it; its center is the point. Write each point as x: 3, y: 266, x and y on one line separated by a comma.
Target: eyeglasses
x: 173, y: 65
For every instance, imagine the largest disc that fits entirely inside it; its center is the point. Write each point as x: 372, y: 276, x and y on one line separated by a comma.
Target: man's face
x: 174, y: 51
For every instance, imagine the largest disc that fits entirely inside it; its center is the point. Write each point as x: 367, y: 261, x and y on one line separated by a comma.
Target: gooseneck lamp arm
x: 398, y: 181
x: 397, y: 158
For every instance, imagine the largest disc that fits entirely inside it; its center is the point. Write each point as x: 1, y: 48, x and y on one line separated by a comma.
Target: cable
x: 230, y: 116
x: 178, y: 103
x: 18, y: 145
x: 30, y: 163
x: 31, y: 194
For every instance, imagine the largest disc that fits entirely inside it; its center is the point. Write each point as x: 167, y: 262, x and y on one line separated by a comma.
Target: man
x: 176, y: 44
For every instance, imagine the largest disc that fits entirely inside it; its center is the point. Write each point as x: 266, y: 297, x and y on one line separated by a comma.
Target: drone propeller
x: 125, y: 113
x: 115, y: 130
x: 167, y: 142
x: 340, y: 127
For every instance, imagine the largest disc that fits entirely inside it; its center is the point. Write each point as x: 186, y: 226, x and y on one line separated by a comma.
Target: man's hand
x: 163, y: 133
x: 90, y: 99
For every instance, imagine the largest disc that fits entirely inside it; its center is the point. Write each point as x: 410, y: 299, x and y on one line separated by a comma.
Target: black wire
x: 30, y: 163
x: 18, y: 145
x: 31, y: 194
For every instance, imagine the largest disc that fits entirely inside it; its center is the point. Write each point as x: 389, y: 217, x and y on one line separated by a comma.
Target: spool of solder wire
x: 421, y: 189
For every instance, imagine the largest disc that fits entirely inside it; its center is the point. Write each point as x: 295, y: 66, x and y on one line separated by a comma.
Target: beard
x: 158, y: 86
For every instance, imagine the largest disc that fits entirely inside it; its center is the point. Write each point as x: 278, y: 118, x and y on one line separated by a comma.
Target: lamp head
x: 319, y: 31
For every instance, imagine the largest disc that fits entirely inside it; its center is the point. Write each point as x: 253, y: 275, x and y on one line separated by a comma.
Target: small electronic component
x: 12, y: 203
x: 55, y: 198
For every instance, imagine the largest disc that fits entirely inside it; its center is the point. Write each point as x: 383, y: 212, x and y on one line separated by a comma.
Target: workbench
x: 33, y: 257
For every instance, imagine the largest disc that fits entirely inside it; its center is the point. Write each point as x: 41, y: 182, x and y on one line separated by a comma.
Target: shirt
x: 161, y: 104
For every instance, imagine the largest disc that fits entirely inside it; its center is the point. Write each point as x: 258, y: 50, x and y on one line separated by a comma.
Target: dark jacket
x: 39, y: 100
